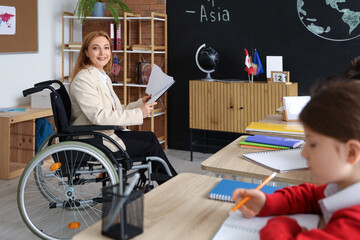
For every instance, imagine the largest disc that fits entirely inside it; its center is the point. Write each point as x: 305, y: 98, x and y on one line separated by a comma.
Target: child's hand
x: 252, y: 207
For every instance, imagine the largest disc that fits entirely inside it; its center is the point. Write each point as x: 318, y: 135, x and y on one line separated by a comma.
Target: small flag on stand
x: 257, y: 61
x: 248, y: 67
x: 115, y: 68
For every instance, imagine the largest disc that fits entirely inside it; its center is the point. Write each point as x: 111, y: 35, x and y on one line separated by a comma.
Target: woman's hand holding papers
x: 254, y: 205
x: 147, y: 108
x: 145, y: 99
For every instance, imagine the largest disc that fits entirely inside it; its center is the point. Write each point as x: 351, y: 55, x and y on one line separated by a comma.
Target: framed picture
x: 283, y: 76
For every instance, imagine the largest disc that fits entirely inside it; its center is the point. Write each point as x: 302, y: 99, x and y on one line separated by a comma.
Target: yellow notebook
x: 272, y: 127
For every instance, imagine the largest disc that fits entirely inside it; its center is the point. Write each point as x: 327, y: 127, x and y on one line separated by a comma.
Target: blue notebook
x: 224, y: 189
x: 272, y: 140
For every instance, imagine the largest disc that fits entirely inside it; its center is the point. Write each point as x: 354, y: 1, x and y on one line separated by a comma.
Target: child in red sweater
x: 331, y: 122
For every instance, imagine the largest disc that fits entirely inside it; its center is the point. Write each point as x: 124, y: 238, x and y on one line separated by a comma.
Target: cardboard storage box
x: 41, y: 99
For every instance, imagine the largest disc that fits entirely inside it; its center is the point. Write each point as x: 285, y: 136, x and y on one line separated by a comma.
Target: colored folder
x: 274, y: 141
x: 244, y: 142
x: 272, y: 127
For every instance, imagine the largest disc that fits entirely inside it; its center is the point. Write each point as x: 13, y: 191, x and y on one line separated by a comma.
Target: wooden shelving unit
x: 126, y: 88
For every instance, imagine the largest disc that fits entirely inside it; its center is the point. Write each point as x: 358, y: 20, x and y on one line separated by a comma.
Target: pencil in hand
x: 245, y: 199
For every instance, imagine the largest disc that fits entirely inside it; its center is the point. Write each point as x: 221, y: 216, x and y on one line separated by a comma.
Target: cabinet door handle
x: 241, y: 108
x: 231, y: 107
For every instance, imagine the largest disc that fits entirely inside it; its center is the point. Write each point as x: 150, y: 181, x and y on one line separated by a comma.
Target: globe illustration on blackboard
x: 334, y: 20
x: 207, y: 59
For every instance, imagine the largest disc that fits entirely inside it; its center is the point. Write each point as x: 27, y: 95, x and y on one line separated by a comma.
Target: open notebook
x: 237, y: 227
x: 280, y: 160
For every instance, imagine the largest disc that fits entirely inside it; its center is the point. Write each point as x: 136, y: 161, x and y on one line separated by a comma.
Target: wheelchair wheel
x: 59, y: 191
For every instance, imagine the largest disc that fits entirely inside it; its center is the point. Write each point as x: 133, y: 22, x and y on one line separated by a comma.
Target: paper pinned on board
x: 158, y: 83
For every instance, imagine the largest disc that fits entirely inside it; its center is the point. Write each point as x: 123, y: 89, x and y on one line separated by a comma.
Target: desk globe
x: 207, y: 59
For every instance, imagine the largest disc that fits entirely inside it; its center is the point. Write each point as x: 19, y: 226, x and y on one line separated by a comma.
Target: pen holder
x: 123, y: 216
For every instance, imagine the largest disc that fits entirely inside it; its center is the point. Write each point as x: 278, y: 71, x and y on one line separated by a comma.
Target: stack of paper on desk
x: 237, y: 227
x: 158, y: 83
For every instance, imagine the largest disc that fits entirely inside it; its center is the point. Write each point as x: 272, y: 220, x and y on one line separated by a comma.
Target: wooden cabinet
x: 17, y: 144
x: 231, y: 106
x: 142, y: 38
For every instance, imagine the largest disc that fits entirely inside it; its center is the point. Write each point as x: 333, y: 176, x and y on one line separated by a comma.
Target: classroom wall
x: 19, y: 71
x: 272, y: 27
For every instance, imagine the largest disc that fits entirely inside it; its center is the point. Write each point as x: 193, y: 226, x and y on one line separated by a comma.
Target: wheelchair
x: 60, y: 190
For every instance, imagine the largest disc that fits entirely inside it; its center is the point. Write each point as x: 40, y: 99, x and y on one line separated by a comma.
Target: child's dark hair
x: 334, y: 111
x: 352, y: 70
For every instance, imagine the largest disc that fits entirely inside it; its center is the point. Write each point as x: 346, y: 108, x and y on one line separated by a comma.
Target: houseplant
x: 84, y: 8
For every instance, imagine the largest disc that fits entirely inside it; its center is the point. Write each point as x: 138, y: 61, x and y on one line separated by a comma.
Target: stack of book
x: 270, y: 142
x: 75, y: 45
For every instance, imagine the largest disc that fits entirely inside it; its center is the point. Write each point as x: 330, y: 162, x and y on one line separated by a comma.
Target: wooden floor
x: 13, y: 228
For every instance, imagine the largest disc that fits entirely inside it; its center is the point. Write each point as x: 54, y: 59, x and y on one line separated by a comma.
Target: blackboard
x: 273, y: 27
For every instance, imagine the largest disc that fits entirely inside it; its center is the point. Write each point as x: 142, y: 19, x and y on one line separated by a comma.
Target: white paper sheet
x: 236, y: 227
x: 158, y: 83
x: 273, y: 63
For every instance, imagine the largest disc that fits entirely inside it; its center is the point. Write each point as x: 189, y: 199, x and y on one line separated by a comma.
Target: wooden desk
x: 277, y: 119
x: 178, y: 209
x: 229, y: 161
x: 17, y: 142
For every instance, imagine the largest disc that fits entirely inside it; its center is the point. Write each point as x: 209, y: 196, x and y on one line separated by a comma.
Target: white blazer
x: 91, y: 104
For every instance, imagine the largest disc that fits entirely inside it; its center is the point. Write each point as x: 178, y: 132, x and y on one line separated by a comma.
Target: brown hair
x: 83, y: 61
x: 352, y: 70
x: 334, y: 111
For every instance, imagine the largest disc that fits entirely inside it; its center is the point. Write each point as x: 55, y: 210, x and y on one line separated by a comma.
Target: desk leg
x: 191, y: 143
x: 219, y: 175
x: 205, y: 141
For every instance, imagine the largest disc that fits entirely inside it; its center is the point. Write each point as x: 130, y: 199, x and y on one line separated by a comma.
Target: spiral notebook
x: 280, y: 161
x: 224, y: 189
x: 236, y: 227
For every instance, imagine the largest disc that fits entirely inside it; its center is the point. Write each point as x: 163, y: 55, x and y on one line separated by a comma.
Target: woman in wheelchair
x: 94, y: 102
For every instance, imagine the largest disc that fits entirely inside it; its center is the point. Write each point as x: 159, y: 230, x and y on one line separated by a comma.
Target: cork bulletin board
x: 25, y: 37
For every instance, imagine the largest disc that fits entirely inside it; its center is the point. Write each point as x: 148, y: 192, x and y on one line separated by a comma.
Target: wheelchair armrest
x: 89, y: 128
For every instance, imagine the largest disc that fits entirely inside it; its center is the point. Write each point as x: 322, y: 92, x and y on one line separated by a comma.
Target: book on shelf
x: 112, y: 34
x: 118, y: 37
x: 224, y: 189
x: 237, y: 227
x: 280, y: 161
x: 140, y: 47
x: 275, y: 128
x: 158, y: 84
x: 75, y: 45
x: 143, y: 71
x: 274, y: 141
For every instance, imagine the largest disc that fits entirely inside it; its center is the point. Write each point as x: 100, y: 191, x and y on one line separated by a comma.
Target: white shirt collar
x: 335, y: 200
